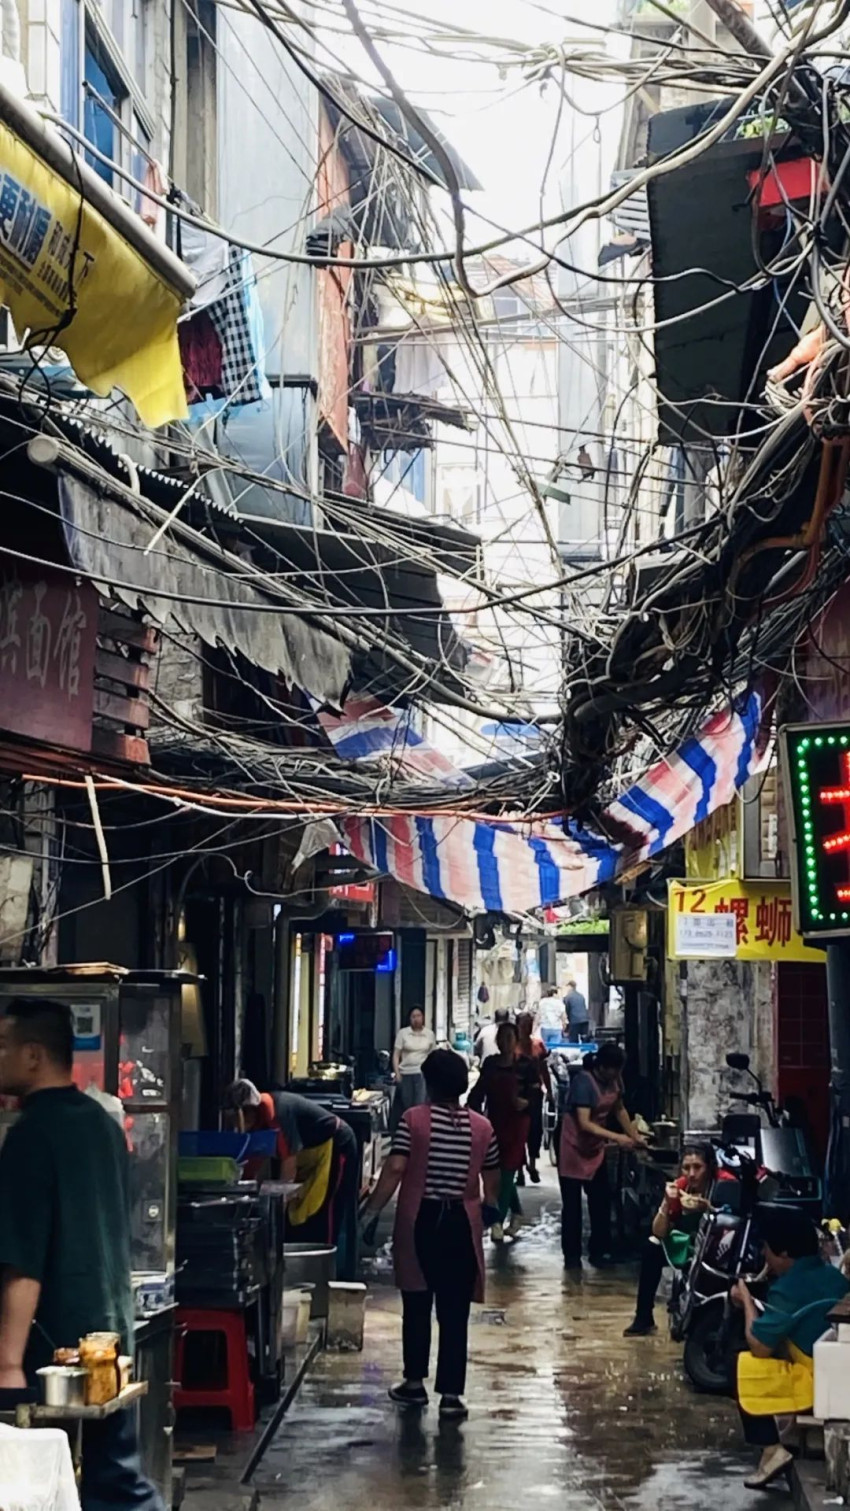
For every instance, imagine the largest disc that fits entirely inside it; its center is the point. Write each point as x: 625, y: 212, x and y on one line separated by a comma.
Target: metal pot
x: 310, y: 1264
x: 664, y: 1133
x: 63, y: 1385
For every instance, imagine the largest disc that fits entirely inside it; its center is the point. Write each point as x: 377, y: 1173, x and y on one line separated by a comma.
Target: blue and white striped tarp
x: 491, y: 866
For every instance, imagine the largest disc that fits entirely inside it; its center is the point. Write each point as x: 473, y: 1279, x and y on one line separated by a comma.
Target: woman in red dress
x: 533, y: 1048
x: 505, y: 1085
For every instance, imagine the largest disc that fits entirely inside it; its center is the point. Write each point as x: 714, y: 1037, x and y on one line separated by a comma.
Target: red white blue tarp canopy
x: 517, y: 867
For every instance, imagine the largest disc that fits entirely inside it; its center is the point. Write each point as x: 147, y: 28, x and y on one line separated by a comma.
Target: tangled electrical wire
x: 682, y: 611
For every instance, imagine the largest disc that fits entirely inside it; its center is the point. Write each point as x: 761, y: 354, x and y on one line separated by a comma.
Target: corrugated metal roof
x: 107, y: 538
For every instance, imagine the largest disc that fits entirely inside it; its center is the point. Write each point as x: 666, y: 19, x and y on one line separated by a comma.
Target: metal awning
x: 365, y: 574
x: 194, y: 590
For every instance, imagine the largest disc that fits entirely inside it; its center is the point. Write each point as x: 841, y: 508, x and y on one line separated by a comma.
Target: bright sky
x: 502, y: 126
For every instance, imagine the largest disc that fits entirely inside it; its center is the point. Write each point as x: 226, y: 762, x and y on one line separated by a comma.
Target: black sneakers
x: 639, y: 1329
x: 454, y: 1407
x: 408, y: 1395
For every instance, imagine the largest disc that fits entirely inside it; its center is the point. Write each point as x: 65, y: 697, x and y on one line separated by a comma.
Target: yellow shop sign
x: 119, y: 326
x: 734, y: 920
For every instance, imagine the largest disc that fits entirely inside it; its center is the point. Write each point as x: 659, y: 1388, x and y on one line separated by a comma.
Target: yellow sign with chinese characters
x: 119, y: 325
x: 700, y: 922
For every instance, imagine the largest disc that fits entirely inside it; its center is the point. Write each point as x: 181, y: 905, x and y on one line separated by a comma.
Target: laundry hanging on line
x: 221, y: 339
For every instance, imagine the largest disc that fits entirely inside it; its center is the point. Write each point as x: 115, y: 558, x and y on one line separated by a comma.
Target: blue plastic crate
x: 238, y: 1146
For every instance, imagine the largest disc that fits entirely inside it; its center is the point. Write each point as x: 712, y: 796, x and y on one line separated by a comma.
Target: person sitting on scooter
x: 674, y: 1230
x: 776, y: 1370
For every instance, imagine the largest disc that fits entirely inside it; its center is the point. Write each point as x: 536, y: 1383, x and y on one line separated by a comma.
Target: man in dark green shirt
x: 64, y: 1234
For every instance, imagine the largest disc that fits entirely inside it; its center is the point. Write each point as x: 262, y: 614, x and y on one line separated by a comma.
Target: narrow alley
x: 561, y: 1406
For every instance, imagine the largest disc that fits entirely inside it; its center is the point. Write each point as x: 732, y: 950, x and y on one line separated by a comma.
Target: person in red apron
x: 441, y: 1156
x: 595, y: 1097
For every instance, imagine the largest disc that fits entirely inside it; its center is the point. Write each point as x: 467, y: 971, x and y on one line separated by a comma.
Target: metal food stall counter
x: 127, y: 1052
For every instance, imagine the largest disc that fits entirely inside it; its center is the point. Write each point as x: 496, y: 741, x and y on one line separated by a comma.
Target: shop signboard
x: 734, y: 920
x: 816, y: 768
x: 48, y: 635
x: 69, y: 279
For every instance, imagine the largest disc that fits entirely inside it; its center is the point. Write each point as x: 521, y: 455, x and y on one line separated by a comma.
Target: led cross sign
x: 816, y: 762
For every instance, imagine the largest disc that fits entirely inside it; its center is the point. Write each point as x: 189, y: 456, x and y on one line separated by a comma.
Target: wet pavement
x: 562, y: 1407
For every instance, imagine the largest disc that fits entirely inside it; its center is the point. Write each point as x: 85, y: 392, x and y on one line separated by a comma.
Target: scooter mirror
x: 738, y: 1062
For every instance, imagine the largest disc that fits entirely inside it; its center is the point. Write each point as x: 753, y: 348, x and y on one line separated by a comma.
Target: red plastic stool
x: 236, y: 1395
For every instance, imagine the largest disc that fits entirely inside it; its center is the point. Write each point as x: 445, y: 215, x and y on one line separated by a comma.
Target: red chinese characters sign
x: 48, y: 632
x: 764, y: 924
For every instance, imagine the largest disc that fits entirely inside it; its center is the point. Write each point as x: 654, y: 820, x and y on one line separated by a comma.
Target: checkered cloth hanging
x: 240, y: 374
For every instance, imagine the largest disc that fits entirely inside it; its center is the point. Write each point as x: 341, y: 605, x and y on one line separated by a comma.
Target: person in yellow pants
x: 776, y: 1371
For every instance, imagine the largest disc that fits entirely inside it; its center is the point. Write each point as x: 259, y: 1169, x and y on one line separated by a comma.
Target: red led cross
x: 839, y: 841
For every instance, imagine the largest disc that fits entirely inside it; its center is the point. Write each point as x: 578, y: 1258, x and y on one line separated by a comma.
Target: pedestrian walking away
x: 505, y: 1086
x: 64, y: 1236
x: 412, y: 1047
x: 551, y: 1014
x: 578, y: 1016
x: 533, y: 1049
x: 485, y: 1039
x: 442, y: 1155
x: 596, y: 1094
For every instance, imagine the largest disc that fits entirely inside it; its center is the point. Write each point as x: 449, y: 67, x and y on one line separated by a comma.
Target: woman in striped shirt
x: 441, y: 1156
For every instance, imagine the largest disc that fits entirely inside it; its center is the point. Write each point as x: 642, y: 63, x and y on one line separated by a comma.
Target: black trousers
x: 598, y: 1194
x: 112, y: 1473
x: 535, y: 1127
x: 652, y: 1262
x: 759, y: 1432
x: 447, y: 1260
x: 346, y: 1175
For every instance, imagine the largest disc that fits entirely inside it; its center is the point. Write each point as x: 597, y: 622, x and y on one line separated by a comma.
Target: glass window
x: 144, y: 1059
x: 101, y: 98
x: 69, y: 84
x: 148, y: 1142
x: 406, y: 469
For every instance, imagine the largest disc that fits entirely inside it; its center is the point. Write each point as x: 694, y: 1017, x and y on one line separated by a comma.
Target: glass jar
x: 99, y: 1356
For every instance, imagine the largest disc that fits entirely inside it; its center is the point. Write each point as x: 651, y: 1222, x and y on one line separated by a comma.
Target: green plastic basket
x: 207, y: 1170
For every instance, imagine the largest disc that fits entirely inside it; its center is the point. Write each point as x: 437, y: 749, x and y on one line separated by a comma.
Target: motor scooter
x: 771, y: 1164
x: 779, y: 1145
x: 727, y: 1249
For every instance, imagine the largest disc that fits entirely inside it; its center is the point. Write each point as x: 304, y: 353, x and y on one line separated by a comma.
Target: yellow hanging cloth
x: 313, y: 1171
x: 123, y: 331
x: 776, y: 1387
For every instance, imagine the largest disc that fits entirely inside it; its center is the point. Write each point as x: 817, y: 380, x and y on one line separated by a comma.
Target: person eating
x: 674, y: 1230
